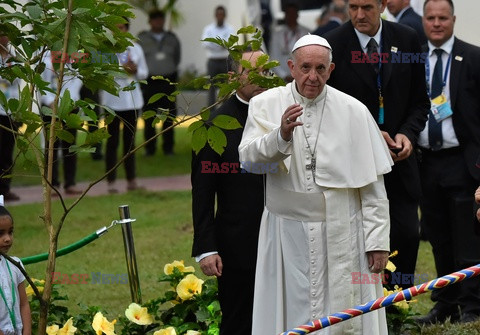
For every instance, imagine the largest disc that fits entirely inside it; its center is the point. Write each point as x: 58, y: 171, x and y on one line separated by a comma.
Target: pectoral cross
x: 312, y: 166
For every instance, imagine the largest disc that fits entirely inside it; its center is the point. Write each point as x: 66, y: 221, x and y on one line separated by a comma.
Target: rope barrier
x: 74, y: 246
x: 370, y: 306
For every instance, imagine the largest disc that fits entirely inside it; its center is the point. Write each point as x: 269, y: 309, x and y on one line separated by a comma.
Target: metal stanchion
x: 130, y: 253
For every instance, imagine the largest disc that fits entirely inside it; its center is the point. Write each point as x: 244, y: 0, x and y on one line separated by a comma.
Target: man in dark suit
x: 225, y: 242
x: 405, y: 14
x: 394, y: 91
x: 450, y: 145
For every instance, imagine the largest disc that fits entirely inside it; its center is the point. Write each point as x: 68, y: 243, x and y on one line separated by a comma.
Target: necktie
x: 372, y: 47
x: 435, y: 138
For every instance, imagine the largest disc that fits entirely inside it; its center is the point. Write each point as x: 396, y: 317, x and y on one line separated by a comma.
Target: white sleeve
x: 376, y: 217
x: 140, y: 61
x: 49, y: 76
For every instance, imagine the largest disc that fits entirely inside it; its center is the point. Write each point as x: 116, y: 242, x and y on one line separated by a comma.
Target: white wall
x: 467, y: 24
x: 197, y: 14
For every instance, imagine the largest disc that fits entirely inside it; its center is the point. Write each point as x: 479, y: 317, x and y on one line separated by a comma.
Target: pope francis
x: 326, y: 217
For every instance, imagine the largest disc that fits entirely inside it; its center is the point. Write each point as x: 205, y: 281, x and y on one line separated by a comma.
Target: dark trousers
x: 7, y: 146
x: 153, y: 87
x: 214, y: 67
x: 129, y: 119
x: 446, y: 205
x: 235, y: 294
x: 404, y: 232
x: 69, y: 158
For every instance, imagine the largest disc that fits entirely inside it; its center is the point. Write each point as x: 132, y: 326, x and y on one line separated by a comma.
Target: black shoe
x: 439, y: 314
x: 10, y: 196
x: 469, y: 317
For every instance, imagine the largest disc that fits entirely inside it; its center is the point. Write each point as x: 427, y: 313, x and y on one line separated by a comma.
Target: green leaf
x: 262, y: 60
x: 199, y: 139
x: 74, y: 121
x: 34, y: 11
x: 195, y: 125
x: 17, y: 70
x: 3, y: 100
x: 156, y: 97
x: 65, y: 105
x: 247, y: 30
x: 149, y: 114
x: 226, y: 122
x: 205, y: 115
x: 65, y: 135
x: 216, y: 139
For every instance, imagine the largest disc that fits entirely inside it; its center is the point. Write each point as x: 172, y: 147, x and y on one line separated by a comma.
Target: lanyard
x: 381, y: 110
x: 11, y: 311
x: 427, y: 74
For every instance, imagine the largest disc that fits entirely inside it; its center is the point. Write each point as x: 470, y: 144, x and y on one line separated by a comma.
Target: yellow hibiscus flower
x: 39, y: 283
x: 168, y: 269
x: 68, y: 328
x: 166, y: 331
x: 189, y: 286
x: 102, y: 326
x: 138, y: 314
x: 193, y: 332
x: 52, y: 330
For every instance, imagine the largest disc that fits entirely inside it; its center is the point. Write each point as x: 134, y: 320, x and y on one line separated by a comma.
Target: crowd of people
x: 352, y: 150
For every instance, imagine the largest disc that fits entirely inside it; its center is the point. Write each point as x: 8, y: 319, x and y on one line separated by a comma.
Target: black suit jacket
x: 465, y: 100
x: 233, y: 229
x: 413, y: 20
x: 403, y: 87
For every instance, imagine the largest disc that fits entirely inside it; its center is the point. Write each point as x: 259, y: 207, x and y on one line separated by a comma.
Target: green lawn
x: 26, y: 171
x: 162, y: 233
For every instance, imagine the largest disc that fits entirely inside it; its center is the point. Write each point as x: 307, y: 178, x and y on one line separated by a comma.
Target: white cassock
x: 315, y: 232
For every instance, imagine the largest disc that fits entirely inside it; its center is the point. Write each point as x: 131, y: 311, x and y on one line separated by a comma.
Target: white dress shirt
x: 128, y: 100
x: 450, y: 139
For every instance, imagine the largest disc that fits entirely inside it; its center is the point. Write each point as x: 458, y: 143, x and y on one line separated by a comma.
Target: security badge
x: 440, y: 108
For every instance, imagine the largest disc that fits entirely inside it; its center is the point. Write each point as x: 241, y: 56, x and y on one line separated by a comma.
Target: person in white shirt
x: 216, y: 55
x: 283, y: 39
x: 127, y: 107
x: 73, y: 84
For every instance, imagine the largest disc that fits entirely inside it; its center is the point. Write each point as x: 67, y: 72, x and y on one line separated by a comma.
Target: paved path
x: 33, y: 194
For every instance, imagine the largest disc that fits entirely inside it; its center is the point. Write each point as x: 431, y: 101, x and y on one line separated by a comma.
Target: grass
x: 162, y: 233
x: 26, y: 171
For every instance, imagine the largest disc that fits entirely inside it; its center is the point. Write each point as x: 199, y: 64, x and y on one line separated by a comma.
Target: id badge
x: 440, y: 108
